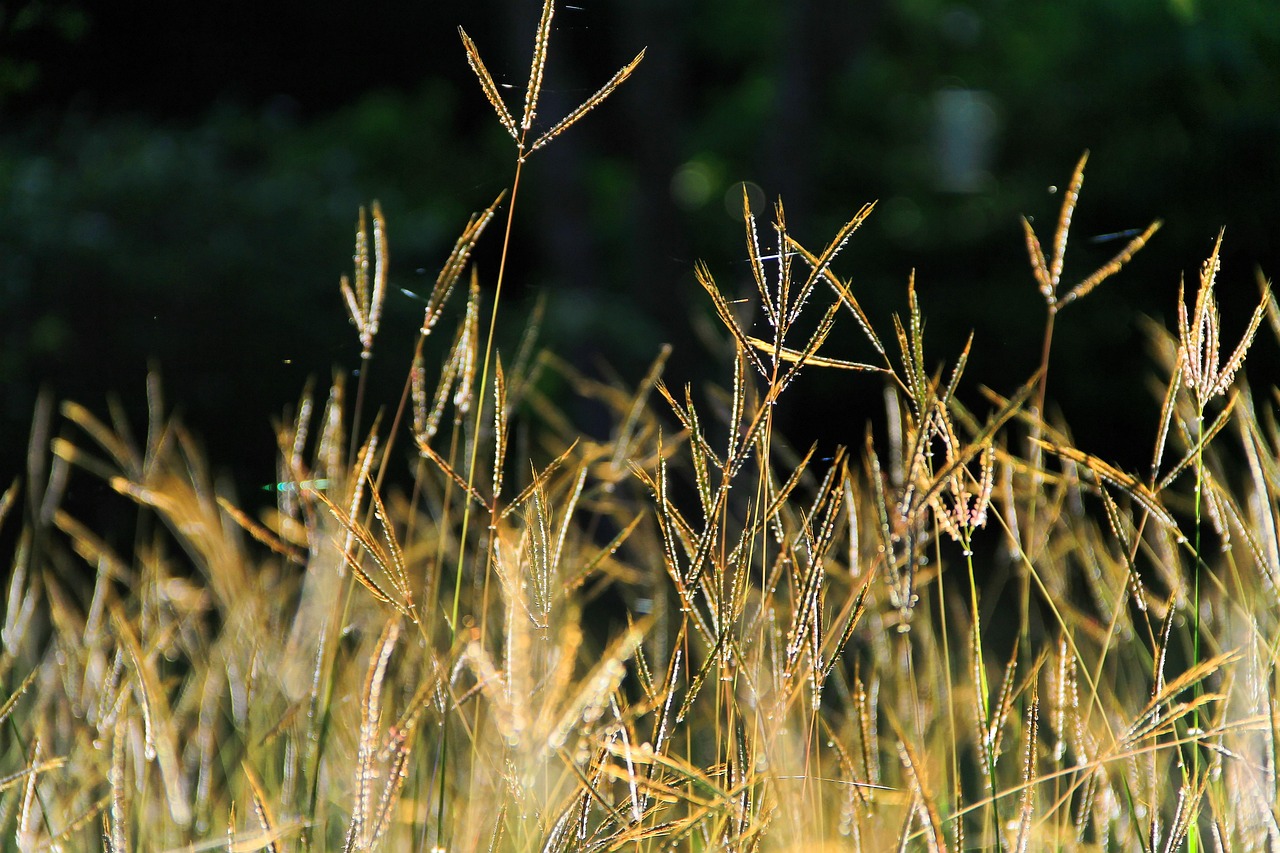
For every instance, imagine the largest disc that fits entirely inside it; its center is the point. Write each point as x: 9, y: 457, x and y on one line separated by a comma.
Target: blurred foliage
x: 212, y: 251
x: 212, y: 244
x: 28, y: 30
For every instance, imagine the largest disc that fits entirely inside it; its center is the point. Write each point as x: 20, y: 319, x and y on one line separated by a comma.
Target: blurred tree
x: 202, y: 186
x: 31, y: 33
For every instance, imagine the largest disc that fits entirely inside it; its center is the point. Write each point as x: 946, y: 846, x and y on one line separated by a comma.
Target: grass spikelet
x: 819, y: 265
x: 447, y: 469
x: 458, y: 370
x: 1069, y: 200
x: 923, y: 803
x: 1026, y: 809
x: 727, y: 317
x: 1109, y: 474
x: 589, y: 104
x: 359, y: 832
x: 1189, y: 796
x: 455, y: 265
x: 7, y: 500
x: 7, y: 708
x: 533, y: 90
x: 364, y: 303
x: 499, y: 429
x: 486, y: 83
x: 357, y: 533
x: 261, y: 810
x: 1111, y: 267
x: 588, y: 703
x: 1198, y: 337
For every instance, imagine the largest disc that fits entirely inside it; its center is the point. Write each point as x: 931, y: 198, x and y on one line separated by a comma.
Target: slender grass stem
x: 984, y: 693
x: 1193, y: 835
x: 481, y: 396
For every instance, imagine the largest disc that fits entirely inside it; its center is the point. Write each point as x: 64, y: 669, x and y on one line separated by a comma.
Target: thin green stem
x: 481, y: 394
x: 1193, y: 835
x: 984, y: 693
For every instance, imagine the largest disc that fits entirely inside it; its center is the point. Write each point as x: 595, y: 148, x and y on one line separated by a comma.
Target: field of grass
x: 464, y: 625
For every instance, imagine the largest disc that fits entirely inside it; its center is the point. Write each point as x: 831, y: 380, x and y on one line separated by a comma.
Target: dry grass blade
x: 121, y: 453
x: 538, y: 482
x: 688, y: 418
x: 1137, y: 589
x: 738, y: 405
x: 703, y: 274
x: 397, y: 773
x: 487, y: 84
x: 843, y: 291
x: 911, y: 348
x: 935, y: 837
x: 755, y: 259
x: 626, y: 432
x: 589, y: 700
x: 449, y: 472
x: 1166, y: 419
x: 1189, y: 795
x: 792, y: 356
x: 979, y: 443
x: 161, y: 742
x: 1269, y: 297
x: 25, y: 834
x: 119, y: 812
x: 7, y: 500
x: 1108, y: 473
x: 699, y: 451
x: 852, y: 617
x: 31, y: 771
x: 358, y: 533
x: 260, y: 533
x: 589, y: 104
x: 999, y: 716
x: 589, y: 567
x: 1236, y: 360
x: 397, y: 570
x: 1160, y: 714
x: 948, y: 393
x: 466, y: 349
x: 819, y: 265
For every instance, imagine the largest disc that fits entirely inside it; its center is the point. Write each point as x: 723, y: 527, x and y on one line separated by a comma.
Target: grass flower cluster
x: 962, y: 633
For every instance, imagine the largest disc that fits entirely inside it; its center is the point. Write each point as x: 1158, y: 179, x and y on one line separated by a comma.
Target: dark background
x: 179, y: 184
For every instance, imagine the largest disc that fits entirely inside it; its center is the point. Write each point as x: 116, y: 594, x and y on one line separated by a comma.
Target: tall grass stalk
x: 526, y: 144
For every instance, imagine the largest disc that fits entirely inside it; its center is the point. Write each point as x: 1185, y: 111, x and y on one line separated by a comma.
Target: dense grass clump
x: 961, y: 633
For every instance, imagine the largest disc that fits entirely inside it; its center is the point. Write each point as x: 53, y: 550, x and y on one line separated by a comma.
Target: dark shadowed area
x: 187, y: 200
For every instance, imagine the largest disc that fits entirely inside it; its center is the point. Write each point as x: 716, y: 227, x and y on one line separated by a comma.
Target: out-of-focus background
x: 179, y: 185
